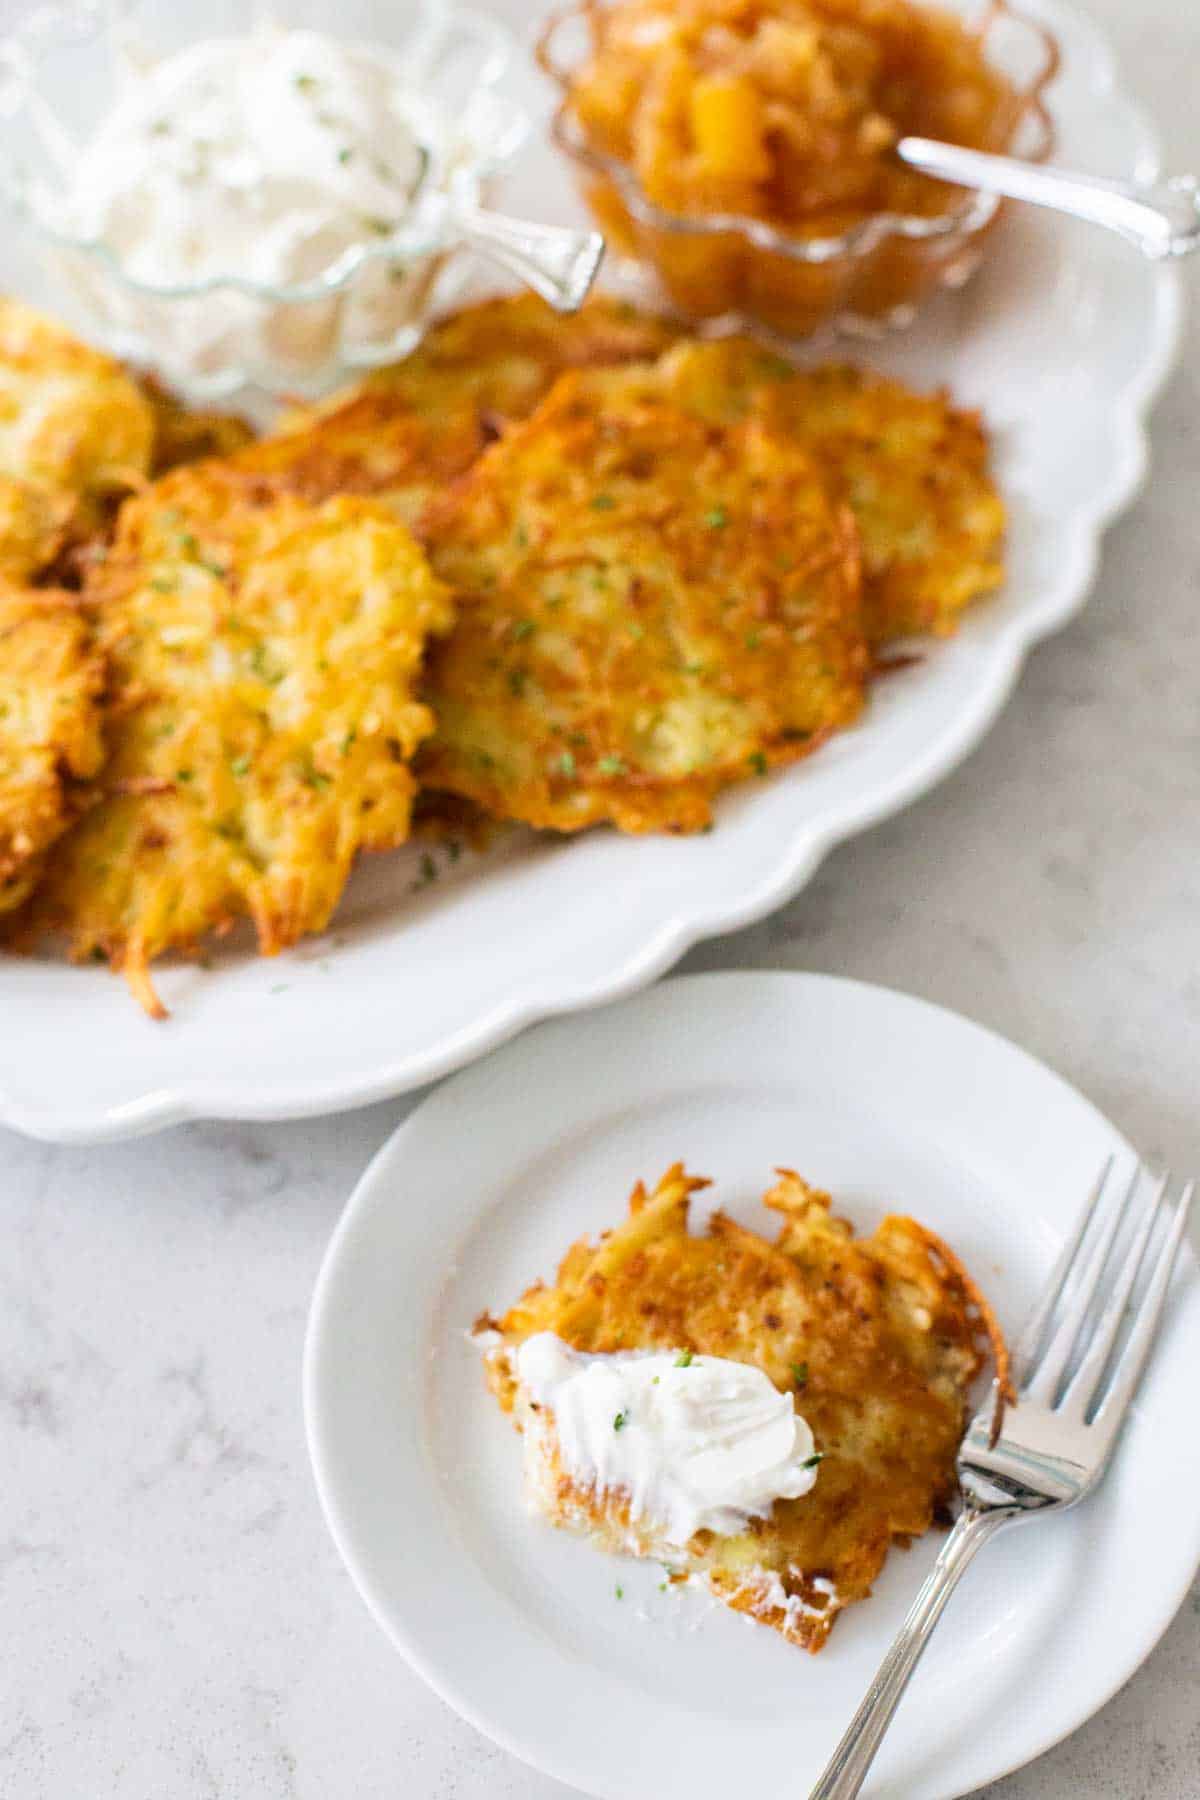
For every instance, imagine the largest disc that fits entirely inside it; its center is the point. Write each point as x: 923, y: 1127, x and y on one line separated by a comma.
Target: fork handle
x: 848, y: 1767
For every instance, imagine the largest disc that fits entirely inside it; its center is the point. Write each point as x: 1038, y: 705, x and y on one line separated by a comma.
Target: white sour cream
x: 706, y: 1444
x: 275, y: 159
x: 266, y: 156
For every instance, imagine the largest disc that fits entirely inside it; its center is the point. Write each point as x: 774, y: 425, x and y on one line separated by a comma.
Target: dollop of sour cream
x: 269, y: 160
x: 695, y: 1443
x: 266, y: 156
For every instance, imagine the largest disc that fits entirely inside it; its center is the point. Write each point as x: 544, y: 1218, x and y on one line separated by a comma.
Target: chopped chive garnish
x: 758, y: 762
x: 813, y: 1460
x: 620, y: 1421
x: 523, y: 628
x: 716, y: 517
x: 620, y: 1592
x: 240, y: 765
x: 603, y: 502
x: 566, y: 765
x: 610, y: 765
x: 684, y: 1359
x: 800, y: 1373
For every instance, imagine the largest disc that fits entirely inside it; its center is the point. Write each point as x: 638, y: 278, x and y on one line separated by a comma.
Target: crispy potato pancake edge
x: 878, y: 1338
x: 51, y: 676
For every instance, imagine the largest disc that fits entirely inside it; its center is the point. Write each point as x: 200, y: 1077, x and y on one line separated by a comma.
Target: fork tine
x: 1045, y: 1376
x: 1043, y: 1312
x: 1128, y: 1371
x: 1086, y: 1382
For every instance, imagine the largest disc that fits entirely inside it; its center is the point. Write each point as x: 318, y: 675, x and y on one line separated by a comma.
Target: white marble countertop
x: 176, y: 1623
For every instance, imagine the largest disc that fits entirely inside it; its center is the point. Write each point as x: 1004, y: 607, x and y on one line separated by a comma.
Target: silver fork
x: 1054, y: 1444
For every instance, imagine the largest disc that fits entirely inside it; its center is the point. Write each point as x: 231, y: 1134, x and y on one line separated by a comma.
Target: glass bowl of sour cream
x: 245, y: 200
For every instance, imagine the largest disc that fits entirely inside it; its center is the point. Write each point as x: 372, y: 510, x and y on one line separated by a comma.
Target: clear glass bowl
x: 867, y: 279
x: 59, y: 70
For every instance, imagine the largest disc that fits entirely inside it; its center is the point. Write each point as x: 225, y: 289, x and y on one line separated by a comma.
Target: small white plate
x: 893, y: 1105
x: 1063, y: 340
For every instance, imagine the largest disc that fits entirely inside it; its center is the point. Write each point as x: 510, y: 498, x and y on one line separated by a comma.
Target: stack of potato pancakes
x: 569, y: 570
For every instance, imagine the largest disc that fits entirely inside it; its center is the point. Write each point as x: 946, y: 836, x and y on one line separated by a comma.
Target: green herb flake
x: 348, y: 740
x: 306, y: 83
x: 162, y: 584
x: 185, y: 774
x: 281, y: 987
x: 758, y: 762
x: 800, y: 1373
x: 610, y: 765
x: 813, y: 1460
x: 345, y: 155
x: 523, y: 628
x: 684, y: 1360
x: 602, y: 502
x: 566, y: 765
x: 716, y: 517
x: 239, y: 765
x: 620, y: 1591
x: 620, y: 1421
x: 753, y: 640
x: 516, y: 682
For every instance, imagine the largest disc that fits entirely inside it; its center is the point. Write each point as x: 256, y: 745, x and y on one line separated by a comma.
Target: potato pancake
x: 406, y: 431
x: 877, y: 1338
x: 33, y: 525
x: 913, y: 469
x: 261, y: 718
x: 73, y: 425
x: 186, y: 434
x: 650, y: 608
x: 50, y: 678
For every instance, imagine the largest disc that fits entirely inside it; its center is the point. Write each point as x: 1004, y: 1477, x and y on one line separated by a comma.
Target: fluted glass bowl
x: 59, y: 74
x: 864, y: 280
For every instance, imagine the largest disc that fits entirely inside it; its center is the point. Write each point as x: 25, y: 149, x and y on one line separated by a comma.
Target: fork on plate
x: 1076, y: 1369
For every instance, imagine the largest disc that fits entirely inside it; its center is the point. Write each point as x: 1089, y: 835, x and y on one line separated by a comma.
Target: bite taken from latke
x: 765, y: 1416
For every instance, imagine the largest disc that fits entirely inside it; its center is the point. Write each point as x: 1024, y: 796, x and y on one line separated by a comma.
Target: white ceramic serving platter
x: 1063, y: 339
x: 893, y: 1105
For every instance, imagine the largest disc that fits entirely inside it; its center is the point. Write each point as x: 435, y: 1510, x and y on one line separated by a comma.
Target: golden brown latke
x: 50, y: 739
x: 262, y: 716
x: 406, y: 431
x: 33, y: 524
x: 650, y: 608
x: 879, y: 1339
x: 186, y: 434
x: 912, y: 468
x: 73, y: 424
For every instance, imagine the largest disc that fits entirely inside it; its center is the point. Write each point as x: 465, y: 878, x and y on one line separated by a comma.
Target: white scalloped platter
x: 1063, y: 339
